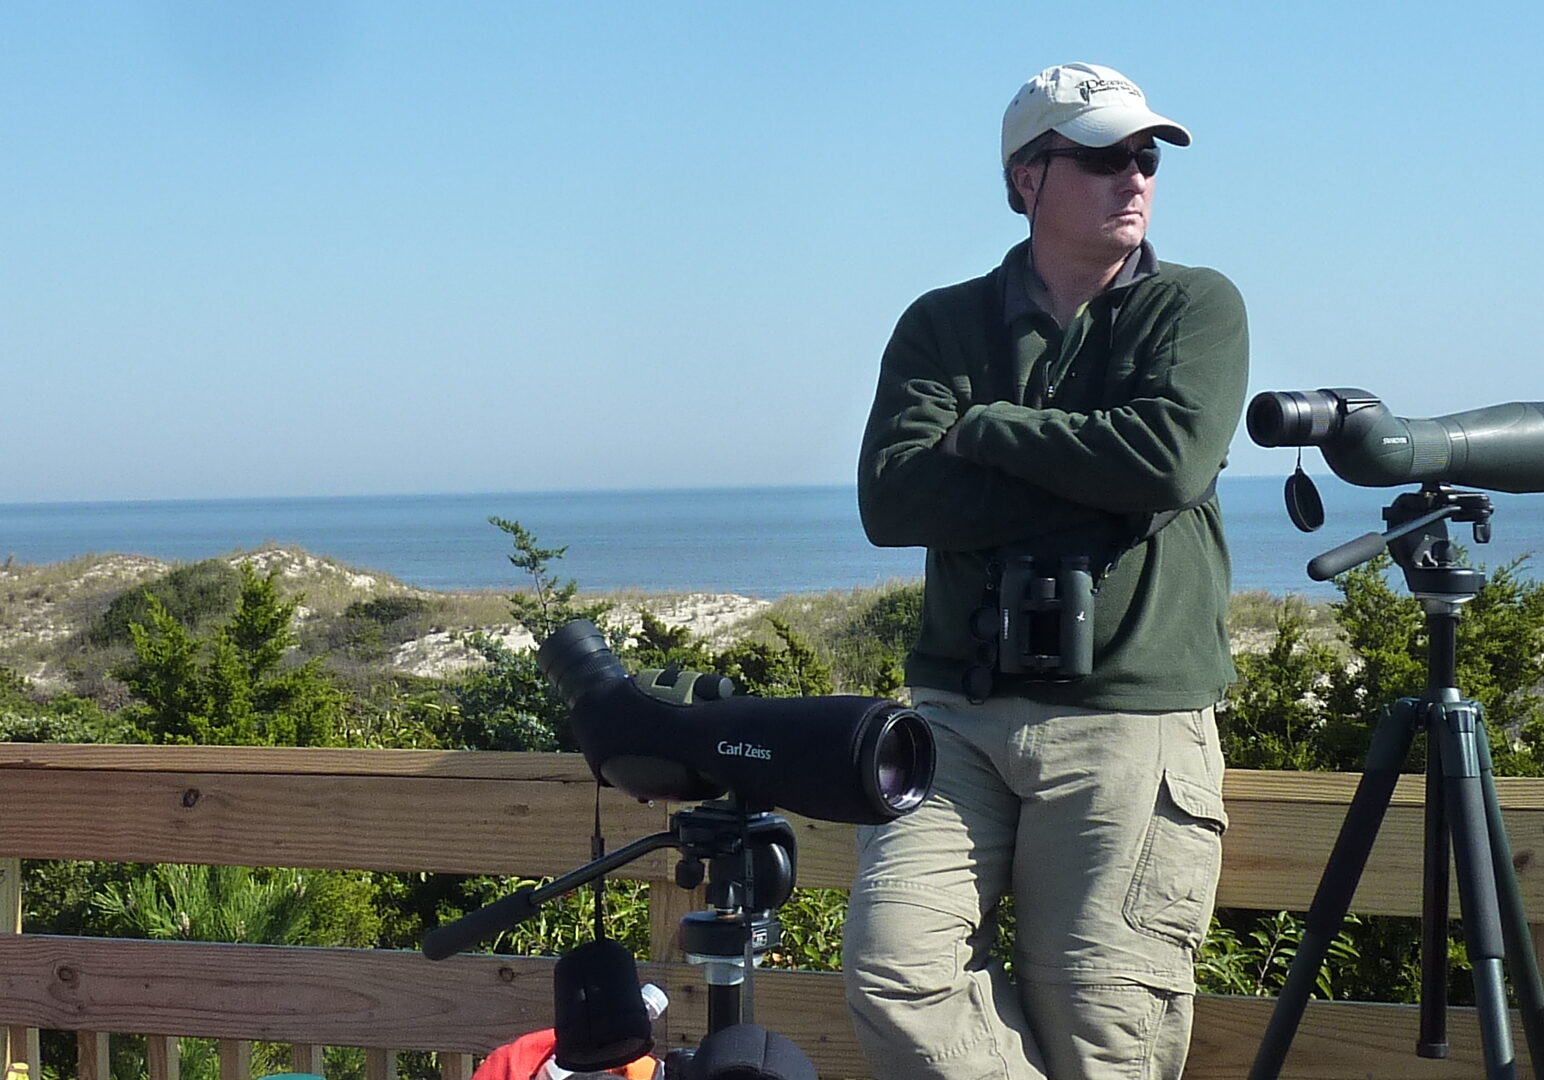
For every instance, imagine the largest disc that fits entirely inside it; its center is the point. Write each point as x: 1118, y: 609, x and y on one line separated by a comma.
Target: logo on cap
x: 1095, y: 86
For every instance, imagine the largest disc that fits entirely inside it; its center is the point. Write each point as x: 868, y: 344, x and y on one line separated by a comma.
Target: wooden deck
x: 527, y: 814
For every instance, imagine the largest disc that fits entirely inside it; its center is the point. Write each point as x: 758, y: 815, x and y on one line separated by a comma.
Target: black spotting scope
x: 1500, y: 447
x: 854, y: 759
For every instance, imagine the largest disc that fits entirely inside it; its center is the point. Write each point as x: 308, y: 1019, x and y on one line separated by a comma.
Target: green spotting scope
x: 1500, y: 447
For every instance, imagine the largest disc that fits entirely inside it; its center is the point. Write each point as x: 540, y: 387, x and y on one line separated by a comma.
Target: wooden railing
x: 527, y: 814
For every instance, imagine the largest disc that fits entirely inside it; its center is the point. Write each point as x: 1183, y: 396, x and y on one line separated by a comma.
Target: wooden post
x: 10, y: 896
x: 25, y: 1046
x: 667, y: 905
x: 306, y: 1059
x: 235, y: 1059
x: 163, y: 1057
x: 455, y: 1066
x: 380, y: 1064
x: 10, y: 923
x: 92, y: 1060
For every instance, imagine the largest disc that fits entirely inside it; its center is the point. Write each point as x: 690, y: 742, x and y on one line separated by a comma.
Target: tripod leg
x: 1390, y: 746
x: 1521, y: 962
x: 1434, y: 910
x: 1457, y: 724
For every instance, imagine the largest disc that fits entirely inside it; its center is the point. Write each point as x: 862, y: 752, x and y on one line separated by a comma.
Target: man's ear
x: 1026, y: 178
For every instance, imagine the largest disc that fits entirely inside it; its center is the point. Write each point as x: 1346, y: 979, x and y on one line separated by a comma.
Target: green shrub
x: 402, y: 712
x: 231, y: 688
x: 264, y: 906
x: 658, y: 645
x: 786, y: 668
x: 367, y: 630
x: 27, y: 717
x: 1254, y: 961
x: 812, y: 931
x: 870, y: 658
x: 508, y: 704
x: 1275, y: 716
x: 386, y: 610
x: 861, y: 635
x: 193, y: 595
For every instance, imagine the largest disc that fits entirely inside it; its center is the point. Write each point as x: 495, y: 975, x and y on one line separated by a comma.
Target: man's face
x: 1080, y: 210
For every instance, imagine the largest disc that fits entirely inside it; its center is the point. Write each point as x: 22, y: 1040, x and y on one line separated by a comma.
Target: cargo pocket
x: 1175, y: 885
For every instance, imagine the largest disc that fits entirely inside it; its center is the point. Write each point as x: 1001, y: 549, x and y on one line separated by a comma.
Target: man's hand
x: 949, y: 444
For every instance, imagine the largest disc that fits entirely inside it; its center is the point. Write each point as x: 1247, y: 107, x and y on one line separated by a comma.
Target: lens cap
x: 1304, y: 506
x: 600, y: 1019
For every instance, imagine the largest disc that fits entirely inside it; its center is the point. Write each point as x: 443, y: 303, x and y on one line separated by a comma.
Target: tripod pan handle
x: 479, y: 925
x: 1342, y: 558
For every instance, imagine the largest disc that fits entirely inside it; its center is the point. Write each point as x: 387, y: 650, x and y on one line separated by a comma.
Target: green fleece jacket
x: 1067, y: 440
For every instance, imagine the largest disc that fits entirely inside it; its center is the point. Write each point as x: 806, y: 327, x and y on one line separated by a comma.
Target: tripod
x: 1463, y: 814
x: 748, y: 859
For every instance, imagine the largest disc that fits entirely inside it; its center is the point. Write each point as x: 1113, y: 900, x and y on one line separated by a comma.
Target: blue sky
x: 296, y: 248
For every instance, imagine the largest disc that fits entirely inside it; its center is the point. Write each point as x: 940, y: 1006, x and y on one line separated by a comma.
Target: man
x: 1064, y: 415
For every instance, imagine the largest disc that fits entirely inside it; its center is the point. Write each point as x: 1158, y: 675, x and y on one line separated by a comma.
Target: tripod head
x: 1417, y: 539
x: 1419, y: 544
x: 748, y: 859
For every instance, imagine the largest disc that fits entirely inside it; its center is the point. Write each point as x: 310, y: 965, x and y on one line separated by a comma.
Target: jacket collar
x: 1024, y: 294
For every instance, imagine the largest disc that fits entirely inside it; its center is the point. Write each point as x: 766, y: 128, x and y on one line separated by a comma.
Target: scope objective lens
x: 899, y: 767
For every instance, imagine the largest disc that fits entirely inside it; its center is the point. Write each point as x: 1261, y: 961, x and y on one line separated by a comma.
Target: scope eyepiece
x: 1293, y: 417
x: 577, y: 661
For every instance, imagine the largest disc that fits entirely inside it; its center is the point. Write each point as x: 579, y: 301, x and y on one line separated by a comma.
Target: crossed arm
x: 1007, y: 472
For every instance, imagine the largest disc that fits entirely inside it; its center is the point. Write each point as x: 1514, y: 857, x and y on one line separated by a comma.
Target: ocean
x: 754, y: 541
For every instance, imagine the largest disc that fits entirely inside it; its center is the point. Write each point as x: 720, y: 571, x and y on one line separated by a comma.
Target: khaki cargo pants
x: 1106, y: 829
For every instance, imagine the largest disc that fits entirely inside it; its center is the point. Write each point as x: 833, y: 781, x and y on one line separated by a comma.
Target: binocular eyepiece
x: 838, y: 758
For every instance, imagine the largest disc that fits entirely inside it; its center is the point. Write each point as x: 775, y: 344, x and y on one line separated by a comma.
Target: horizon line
x: 490, y: 493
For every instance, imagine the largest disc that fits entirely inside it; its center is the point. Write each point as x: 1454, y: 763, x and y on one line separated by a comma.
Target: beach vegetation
x: 400, y: 712
x: 1256, y: 610
x: 862, y: 635
x: 193, y: 595
x: 657, y: 644
x: 785, y: 667
x: 549, y: 601
x: 28, y: 716
x: 1306, y: 702
x: 507, y: 703
x: 307, y: 652
x: 367, y: 632
x: 232, y: 686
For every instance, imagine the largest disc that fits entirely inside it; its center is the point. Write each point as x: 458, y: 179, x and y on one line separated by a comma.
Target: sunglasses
x: 1108, y: 160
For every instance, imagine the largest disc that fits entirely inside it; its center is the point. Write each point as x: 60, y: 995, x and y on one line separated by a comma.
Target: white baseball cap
x: 1089, y: 104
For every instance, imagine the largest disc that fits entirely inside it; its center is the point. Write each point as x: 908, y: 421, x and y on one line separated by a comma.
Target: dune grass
x: 46, y: 609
